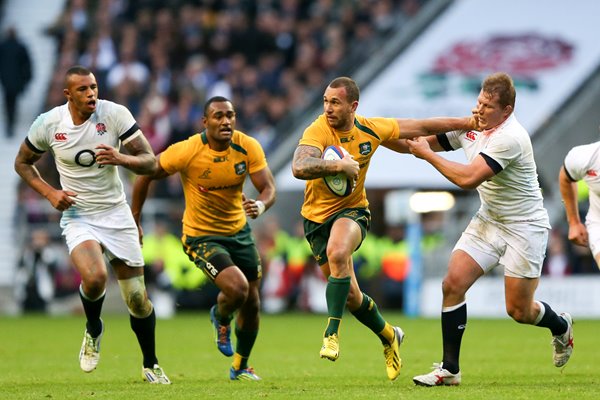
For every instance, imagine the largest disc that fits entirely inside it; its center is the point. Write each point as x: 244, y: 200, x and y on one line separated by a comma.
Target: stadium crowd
x: 164, y: 59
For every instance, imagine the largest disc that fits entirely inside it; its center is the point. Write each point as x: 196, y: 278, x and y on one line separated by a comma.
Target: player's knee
x: 94, y: 283
x: 518, y: 314
x: 337, y: 256
x: 452, y: 288
x: 135, y: 296
x: 236, y: 292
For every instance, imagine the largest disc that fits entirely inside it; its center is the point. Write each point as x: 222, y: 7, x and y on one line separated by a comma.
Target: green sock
x: 244, y: 345
x: 336, y: 295
x: 368, y: 315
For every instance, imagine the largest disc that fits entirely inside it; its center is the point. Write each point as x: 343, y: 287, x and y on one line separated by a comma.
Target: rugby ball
x: 339, y: 184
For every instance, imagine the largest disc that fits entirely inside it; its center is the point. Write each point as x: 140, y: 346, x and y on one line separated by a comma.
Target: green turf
x: 500, y: 360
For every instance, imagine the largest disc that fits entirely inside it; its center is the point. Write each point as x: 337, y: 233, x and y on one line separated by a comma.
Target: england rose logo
x: 523, y: 56
x: 100, y: 128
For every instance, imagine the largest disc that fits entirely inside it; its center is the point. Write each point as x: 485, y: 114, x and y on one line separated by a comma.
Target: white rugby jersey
x: 583, y: 162
x: 513, y: 194
x: 74, y: 149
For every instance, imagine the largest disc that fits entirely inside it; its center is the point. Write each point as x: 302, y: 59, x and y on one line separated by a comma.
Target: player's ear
x: 67, y: 94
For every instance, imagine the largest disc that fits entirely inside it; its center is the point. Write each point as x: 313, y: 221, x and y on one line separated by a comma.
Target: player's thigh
x: 88, y: 260
x: 463, y: 271
x: 345, y: 236
x: 235, y: 257
x: 525, y: 250
x: 481, y: 243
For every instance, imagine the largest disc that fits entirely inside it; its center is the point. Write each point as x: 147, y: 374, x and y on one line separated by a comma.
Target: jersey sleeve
x: 176, y: 157
x: 386, y: 127
x: 577, y: 162
x: 313, y: 136
x: 37, y: 137
x: 257, y: 159
x: 502, y: 149
x: 124, y: 123
x: 451, y: 140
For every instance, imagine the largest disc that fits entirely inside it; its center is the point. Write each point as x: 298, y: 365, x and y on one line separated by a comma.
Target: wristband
x: 261, y: 207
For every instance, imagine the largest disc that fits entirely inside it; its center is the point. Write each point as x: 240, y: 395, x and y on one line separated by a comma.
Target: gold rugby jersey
x: 213, y: 181
x: 361, y: 141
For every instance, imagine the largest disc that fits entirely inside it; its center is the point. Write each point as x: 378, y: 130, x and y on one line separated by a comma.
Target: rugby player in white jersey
x: 510, y: 229
x: 84, y: 136
x: 582, y: 163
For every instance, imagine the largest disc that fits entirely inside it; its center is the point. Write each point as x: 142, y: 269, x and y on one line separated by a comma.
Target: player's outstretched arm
x: 410, y: 128
x: 401, y: 145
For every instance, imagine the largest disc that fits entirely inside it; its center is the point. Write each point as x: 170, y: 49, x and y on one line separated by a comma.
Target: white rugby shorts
x: 519, y: 247
x: 114, y: 229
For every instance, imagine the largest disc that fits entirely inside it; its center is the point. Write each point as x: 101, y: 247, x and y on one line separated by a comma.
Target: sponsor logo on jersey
x: 211, y: 270
x: 592, y: 172
x: 220, y: 159
x: 240, y: 168
x: 205, y: 174
x: 347, y: 139
x: 205, y: 189
x: 100, y: 128
x: 472, y: 136
x: 60, y: 137
x: 365, y: 148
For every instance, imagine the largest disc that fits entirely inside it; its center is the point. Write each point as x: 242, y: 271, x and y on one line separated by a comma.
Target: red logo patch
x: 591, y: 172
x: 100, y: 128
x: 471, y: 136
x: 60, y: 137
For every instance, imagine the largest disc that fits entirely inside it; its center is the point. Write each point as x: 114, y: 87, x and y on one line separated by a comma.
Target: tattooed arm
x: 307, y: 164
x: 140, y: 159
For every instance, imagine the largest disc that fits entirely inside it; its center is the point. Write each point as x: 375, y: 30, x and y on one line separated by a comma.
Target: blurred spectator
x: 556, y: 262
x: 15, y: 74
x: 34, y: 281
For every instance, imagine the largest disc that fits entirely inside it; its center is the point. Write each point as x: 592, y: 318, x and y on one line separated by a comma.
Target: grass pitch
x: 500, y: 360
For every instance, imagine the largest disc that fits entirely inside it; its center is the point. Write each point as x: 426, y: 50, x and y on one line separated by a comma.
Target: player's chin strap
x: 261, y: 207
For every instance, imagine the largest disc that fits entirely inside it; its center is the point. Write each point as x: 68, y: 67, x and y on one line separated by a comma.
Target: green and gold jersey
x: 361, y: 141
x: 213, y: 181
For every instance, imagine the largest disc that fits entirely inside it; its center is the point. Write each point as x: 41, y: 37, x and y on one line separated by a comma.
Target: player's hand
x: 350, y: 167
x: 418, y: 146
x: 578, y: 235
x: 62, y: 199
x: 474, y: 122
x: 251, y: 207
x: 108, y: 155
